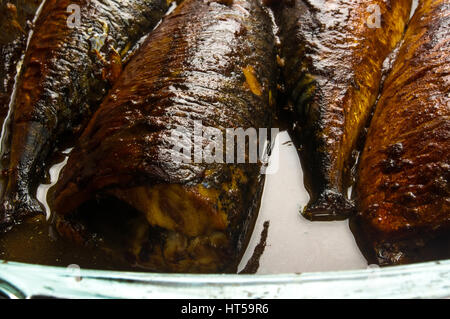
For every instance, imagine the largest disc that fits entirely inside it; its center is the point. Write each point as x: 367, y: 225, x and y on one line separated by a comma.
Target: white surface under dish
x: 295, y: 244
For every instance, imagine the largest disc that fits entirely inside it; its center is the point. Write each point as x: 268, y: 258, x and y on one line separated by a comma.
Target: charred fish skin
x: 209, y: 61
x: 403, y: 187
x: 74, y: 55
x: 333, y: 53
x: 15, y: 17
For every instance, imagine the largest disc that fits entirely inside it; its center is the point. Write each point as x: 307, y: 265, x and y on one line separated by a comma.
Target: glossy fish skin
x: 67, y: 70
x: 14, y: 18
x: 333, y: 68
x: 208, y: 61
x: 403, y: 187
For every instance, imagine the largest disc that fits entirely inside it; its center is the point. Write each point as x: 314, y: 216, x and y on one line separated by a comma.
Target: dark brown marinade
x: 332, y: 70
x: 15, y: 19
x: 403, y: 187
x: 209, y: 61
x: 67, y: 70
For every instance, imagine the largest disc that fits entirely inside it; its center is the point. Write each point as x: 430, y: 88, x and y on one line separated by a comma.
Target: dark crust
x: 403, y: 189
x: 190, y: 68
x: 252, y: 265
x: 333, y: 69
x: 62, y: 81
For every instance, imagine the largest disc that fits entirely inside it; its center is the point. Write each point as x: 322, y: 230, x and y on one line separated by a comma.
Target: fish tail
x: 329, y: 205
x: 16, y: 207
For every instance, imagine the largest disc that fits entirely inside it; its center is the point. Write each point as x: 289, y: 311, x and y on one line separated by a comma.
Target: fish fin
x: 113, y: 67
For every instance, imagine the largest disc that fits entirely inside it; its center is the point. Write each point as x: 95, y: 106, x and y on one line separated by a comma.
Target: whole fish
x: 403, y: 187
x: 212, y: 62
x: 15, y: 20
x: 333, y: 53
x: 74, y: 55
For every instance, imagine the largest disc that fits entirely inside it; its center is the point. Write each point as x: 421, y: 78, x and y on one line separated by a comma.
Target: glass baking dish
x: 299, y: 259
x: 426, y: 280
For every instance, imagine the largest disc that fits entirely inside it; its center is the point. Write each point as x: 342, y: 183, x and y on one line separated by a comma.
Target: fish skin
x: 66, y: 73
x: 194, y: 66
x: 332, y: 70
x: 14, y: 23
x: 403, y: 187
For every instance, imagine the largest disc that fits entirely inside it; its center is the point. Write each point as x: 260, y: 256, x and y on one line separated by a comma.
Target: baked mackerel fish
x: 403, y: 187
x: 15, y: 21
x: 74, y: 55
x: 212, y: 62
x: 333, y: 53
